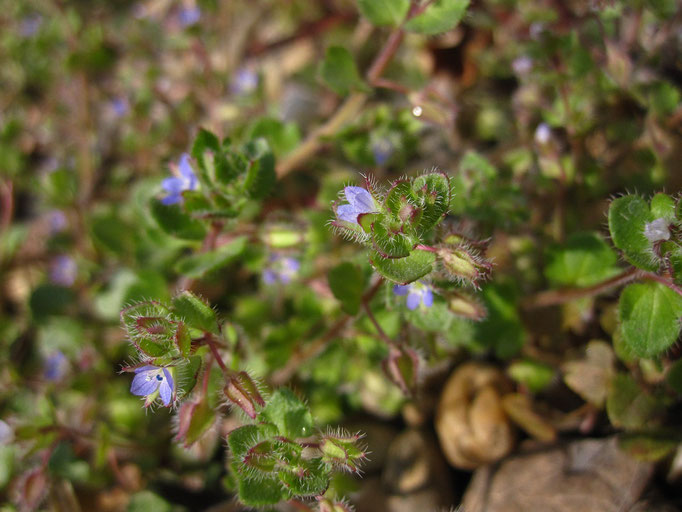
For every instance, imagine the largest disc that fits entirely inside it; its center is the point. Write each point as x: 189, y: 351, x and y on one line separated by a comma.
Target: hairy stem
x: 210, y: 341
x: 556, y: 297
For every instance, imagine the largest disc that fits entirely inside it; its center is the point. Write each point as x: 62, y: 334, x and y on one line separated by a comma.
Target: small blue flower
x: 152, y: 382
x: 30, y: 25
x: 189, y: 16
x: 417, y: 293
x: 244, y: 82
x: 120, y: 106
x: 57, y: 221
x: 56, y: 366
x: 360, y: 201
x: 176, y: 185
x: 281, y: 269
x: 63, y: 270
x: 382, y: 149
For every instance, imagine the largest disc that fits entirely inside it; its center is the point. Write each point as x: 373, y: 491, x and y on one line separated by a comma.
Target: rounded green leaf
x: 585, y: 259
x: 195, y: 312
x: 289, y: 414
x: 174, y: 221
x: 404, y: 270
x: 347, y: 283
x: 650, y: 318
x: 339, y: 72
x: 627, y: 218
x: 384, y: 12
x: 440, y: 16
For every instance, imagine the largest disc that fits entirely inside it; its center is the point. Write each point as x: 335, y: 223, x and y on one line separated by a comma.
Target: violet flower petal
x: 361, y: 200
x: 141, y: 386
x: 413, y: 300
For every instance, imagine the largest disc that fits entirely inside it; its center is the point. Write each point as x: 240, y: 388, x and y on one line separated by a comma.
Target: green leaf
x: 195, y: 312
x: 260, y: 175
x: 49, y: 299
x: 585, y: 259
x: 291, y: 416
x: 242, y: 439
x: 339, y: 72
x: 306, y: 478
x: 628, y: 406
x: 206, y: 146
x: 149, y: 328
x: 282, y: 137
x: 183, y: 341
x: 347, y: 283
x: 146, y: 501
x: 662, y: 205
x: 384, y: 12
x: 535, y: 375
x: 650, y: 318
x: 176, y: 222
x: 260, y: 491
x: 440, y: 16
x: 502, y: 330
x: 404, y: 270
x: 203, y: 417
x: 433, y: 193
x: 197, y: 265
x: 204, y: 142
x: 649, y: 447
x: 390, y: 245
x: 627, y: 218
x: 399, y: 196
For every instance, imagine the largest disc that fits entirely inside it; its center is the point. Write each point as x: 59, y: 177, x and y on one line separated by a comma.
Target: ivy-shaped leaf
x: 650, y: 318
x: 404, y: 270
x: 627, y: 217
x: 440, y: 16
x: 384, y: 12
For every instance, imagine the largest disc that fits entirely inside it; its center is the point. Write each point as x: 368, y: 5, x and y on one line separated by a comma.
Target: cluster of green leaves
x: 228, y: 178
x: 650, y: 237
x: 171, y: 335
x: 277, y: 458
x: 403, y: 225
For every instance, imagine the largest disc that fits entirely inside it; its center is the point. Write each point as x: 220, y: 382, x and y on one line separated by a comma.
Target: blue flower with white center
x: 281, y: 269
x: 359, y: 201
x: 417, y: 293
x: 176, y: 185
x: 152, y: 382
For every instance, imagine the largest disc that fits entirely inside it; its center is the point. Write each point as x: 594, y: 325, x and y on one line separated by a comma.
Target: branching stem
x: 556, y: 297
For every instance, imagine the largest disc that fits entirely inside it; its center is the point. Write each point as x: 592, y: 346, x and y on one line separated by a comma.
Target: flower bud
x: 326, y: 505
x: 242, y: 391
x: 464, y: 264
x: 342, y: 451
x: 465, y: 305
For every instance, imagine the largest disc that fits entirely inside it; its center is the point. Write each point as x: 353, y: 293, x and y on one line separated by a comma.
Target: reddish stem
x: 214, y: 350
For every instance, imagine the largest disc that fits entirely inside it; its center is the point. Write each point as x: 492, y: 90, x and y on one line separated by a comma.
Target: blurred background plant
x: 175, y: 178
